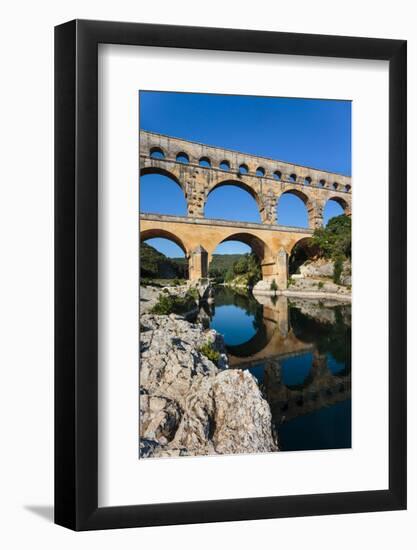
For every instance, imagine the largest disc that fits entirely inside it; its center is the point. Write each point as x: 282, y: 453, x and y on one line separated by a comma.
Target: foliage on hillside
x: 245, y: 271
x: 223, y: 267
x: 154, y: 264
x: 221, y: 263
x: 228, y: 267
x: 333, y: 242
x: 335, y: 239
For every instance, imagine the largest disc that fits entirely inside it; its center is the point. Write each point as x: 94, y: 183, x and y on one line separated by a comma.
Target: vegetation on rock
x: 334, y: 240
x: 244, y: 272
x: 332, y: 243
x: 210, y: 352
x: 169, y: 303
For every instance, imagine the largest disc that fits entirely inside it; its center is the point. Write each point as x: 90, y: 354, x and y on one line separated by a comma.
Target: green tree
x: 335, y: 239
x: 335, y: 242
x: 241, y: 266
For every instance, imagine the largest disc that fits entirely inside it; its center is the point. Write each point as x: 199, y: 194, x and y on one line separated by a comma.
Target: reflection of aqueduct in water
x: 199, y: 169
x: 276, y: 341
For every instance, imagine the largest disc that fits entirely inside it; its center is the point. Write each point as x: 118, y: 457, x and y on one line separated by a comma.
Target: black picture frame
x: 76, y: 272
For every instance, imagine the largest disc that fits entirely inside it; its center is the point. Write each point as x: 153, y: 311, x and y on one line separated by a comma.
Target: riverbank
x: 305, y: 294
x: 308, y: 288
x: 190, y: 402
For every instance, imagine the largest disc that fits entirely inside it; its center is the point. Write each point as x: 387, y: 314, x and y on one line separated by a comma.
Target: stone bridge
x: 200, y: 169
x: 199, y: 238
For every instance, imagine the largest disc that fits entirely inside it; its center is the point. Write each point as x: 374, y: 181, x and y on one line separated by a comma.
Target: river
x: 300, y: 352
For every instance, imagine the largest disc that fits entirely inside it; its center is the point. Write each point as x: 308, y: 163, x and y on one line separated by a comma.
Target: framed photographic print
x: 230, y: 275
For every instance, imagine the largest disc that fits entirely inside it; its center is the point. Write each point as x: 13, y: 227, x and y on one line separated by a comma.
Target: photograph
x: 209, y: 333
x: 245, y: 274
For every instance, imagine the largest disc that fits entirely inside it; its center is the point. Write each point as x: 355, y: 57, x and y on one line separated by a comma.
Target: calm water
x: 300, y: 352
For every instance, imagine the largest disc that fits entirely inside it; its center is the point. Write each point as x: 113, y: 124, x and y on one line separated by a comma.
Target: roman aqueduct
x: 200, y: 169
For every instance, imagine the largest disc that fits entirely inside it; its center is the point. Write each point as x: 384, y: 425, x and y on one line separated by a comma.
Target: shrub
x: 212, y: 354
x: 168, y: 304
x: 274, y: 285
x: 334, y: 239
x: 193, y: 293
x: 321, y: 284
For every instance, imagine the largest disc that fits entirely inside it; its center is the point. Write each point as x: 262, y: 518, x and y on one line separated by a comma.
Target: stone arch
x: 162, y: 172
x: 182, y: 157
x: 308, y: 203
x: 300, y: 251
x: 259, y: 247
x: 179, y: 204
x: 241, y: 185
x: 205, y: 162
x: 157, y: 150
x: 346, y: 206
x: 224, y: 165
x: 163, y: 234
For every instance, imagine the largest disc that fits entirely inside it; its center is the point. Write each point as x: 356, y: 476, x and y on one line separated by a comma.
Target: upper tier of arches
x: 251, y: 166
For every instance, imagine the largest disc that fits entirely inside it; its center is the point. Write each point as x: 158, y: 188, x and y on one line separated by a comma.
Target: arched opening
x: 307, y: 180
x: 205, y: 162
x: 243, y: 169
x: 335, y: 206
x: 238, y: 316
x: 347, y: 188
x: 158, y: 194
x: 224, y: 256
x: 233, y: 201
x: 292, y: 209
x: 156, y: 153
x: 260, y: 171
x: 292, y: 178
x: 277, y: 175
x: 322, y: 183
x: 163, y: 258
x: 302, y: 251
x: 224, y: 165
x: 183, y: 158
x: 335, y: 185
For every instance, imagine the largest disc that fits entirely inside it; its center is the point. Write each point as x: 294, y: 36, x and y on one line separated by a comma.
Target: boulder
x: 189, y: 405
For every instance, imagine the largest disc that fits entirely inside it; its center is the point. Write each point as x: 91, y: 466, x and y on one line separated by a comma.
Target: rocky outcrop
x: 317, y: 268
x: 310, y: 284
x: 188, y: 404
x: 324, y: 269
x: 263, y: 288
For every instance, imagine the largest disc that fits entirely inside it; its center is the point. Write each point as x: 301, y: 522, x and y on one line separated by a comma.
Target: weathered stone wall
x: 199, y: 238
x: 313, y: 187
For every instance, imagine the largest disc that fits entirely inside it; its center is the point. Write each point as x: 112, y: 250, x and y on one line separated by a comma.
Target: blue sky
x: 314, y: 133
